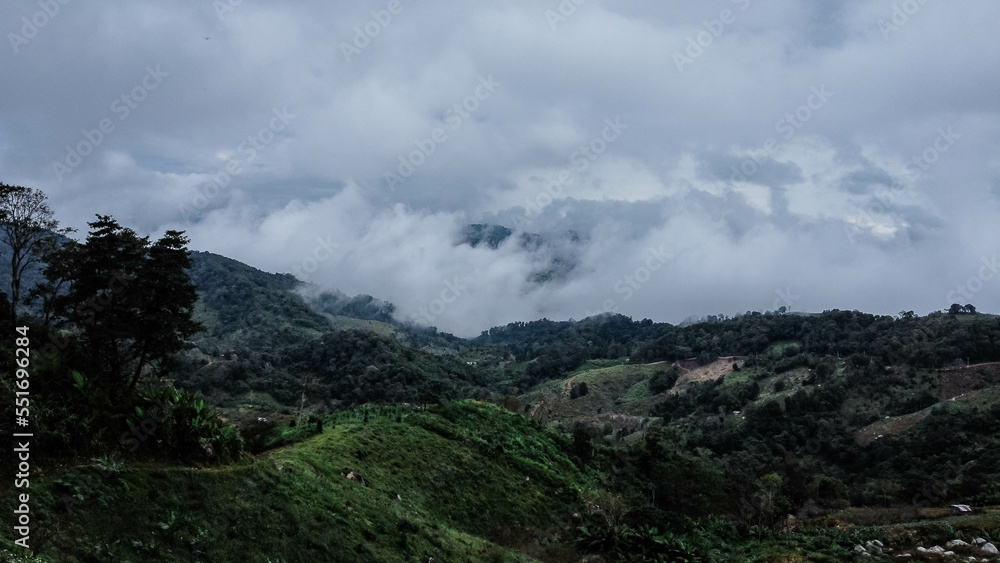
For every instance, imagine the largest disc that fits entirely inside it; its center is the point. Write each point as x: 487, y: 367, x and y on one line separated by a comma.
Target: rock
x: 932, y: 554
x: 956, y: 543
x: 878, y: 543
x: 904, y: 557
x: 355, y: 476
x: 979, y: 541
x: 949, y: 554
x: 859, y: 549
x: 990, y: 549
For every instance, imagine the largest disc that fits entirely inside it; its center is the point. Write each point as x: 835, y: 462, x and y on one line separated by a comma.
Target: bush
x: 663, y: 380
x: 257, y: 435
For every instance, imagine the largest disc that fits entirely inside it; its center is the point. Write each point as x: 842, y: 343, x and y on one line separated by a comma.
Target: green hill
x: 454, y: 482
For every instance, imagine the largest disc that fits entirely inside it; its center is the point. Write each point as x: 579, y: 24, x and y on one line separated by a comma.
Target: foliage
x: 663, y: 380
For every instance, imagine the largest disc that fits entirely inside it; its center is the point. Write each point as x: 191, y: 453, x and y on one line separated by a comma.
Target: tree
x: 26, y: 225
x: 970, y: 309
x: 663, y: 380
x: 955, y: 309
x: 166, y: 303
x: 132, y: 301
x: 768, y: 498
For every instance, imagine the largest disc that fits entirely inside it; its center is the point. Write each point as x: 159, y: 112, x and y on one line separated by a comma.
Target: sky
x: 678, y: 159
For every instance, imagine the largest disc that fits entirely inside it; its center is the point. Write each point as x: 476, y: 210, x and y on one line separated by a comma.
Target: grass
x: 340, y: 322
x: 614, y: 388
x: 597, y: 364
x: 637, y: 392
x: 450, y: 483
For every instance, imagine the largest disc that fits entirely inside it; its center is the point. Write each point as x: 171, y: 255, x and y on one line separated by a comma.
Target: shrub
x: 663, y: 380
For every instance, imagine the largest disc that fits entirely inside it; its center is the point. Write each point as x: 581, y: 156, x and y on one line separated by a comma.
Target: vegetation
x: 189, y: 407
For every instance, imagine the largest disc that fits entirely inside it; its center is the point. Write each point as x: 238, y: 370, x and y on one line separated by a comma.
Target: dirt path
x: 899, y: 424
x: 971, y: 366
x: 569, y: 388
x: 709, y: 372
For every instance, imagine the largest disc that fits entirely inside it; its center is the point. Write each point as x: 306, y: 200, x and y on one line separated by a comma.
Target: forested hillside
x: 187, y: 407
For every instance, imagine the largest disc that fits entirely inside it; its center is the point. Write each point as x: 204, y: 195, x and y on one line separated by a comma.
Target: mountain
x: 555, y: 256
x: 279, y: 338
x: 326, y: 430
x: 459, y: 482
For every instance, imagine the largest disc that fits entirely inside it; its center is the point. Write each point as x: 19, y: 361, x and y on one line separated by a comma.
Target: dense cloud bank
x: 676, y: 160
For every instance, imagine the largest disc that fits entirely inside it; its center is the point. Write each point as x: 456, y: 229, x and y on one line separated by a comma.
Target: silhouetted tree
x: 132, y: 301
x: 26, y: 225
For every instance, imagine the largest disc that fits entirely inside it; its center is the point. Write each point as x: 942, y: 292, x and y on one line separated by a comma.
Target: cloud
x: 842, y: 204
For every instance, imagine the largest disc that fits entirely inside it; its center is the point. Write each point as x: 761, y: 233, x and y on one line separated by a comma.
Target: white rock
x: 859, y: 549
x: 956, y: 543
x: 979, y: 541
x: 990, y: 549
x: 936, y: 549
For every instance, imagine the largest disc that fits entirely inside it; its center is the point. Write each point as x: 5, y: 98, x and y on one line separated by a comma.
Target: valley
x: 301, y: 424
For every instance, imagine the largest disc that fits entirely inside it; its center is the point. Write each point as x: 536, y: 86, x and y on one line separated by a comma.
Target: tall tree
x: 26, y: 225
x: 167, y: 299
x: 99, y: 299
x: 132, y: 301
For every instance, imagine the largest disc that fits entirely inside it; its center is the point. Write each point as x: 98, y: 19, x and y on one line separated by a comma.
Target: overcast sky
x: 712, y: 157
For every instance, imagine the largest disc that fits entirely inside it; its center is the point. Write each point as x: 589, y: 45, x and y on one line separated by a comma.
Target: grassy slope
x: 340, y: 322
x: 435, y: 484
x: 613, y: 387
